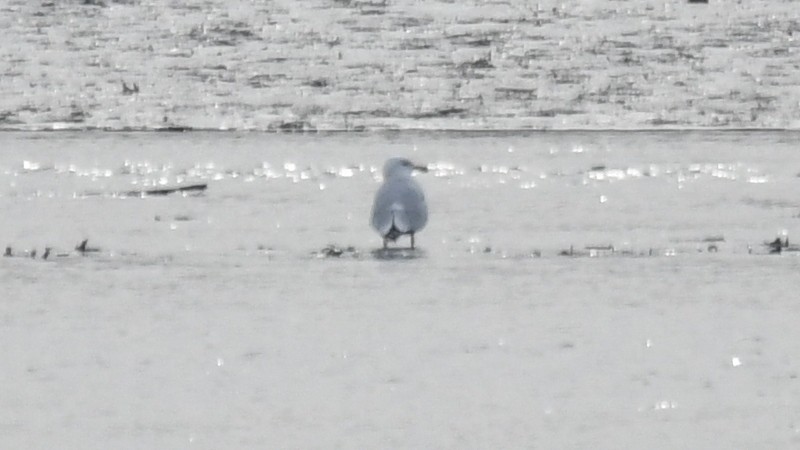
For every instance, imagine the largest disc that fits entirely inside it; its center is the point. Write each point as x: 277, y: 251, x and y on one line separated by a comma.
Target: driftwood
x: 161, y: 191
x: 166, y: 191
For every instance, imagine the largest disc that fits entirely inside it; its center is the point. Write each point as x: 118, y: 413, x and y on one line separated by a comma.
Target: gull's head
x: 400, y: 167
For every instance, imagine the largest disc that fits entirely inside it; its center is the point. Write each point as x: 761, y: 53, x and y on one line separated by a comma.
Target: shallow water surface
x: 258, y: 313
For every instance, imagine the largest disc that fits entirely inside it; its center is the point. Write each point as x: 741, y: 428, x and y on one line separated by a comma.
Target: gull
x: 399, y: 206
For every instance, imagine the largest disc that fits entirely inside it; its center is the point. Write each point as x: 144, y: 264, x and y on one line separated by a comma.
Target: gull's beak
x: 423, y: 169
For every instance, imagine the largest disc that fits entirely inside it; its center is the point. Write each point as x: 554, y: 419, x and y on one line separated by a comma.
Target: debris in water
x: 334, y: 251
x: 127, y: 90
x: 777, y: 246
x: 191, y: 188
x: 83, y: 248
x: 570, y: 252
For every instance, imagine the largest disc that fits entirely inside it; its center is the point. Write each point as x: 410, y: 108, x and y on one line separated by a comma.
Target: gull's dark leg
x: 412, y: 241
x: 385, y: 243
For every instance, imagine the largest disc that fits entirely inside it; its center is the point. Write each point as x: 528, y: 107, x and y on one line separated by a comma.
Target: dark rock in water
x: 33, y: 254
x: 698, y: 1
x: 46, y: 253
x: 8, y: 252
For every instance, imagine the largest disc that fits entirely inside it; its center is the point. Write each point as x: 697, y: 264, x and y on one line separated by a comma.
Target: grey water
x: 571, y: 290
x: 362, y: 64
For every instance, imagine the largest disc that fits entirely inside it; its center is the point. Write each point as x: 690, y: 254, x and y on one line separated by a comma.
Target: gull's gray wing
x: 399, y: 202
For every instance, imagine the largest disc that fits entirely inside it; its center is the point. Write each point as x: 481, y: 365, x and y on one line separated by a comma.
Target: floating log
x: 156, y: 191
x: 166, y: 191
